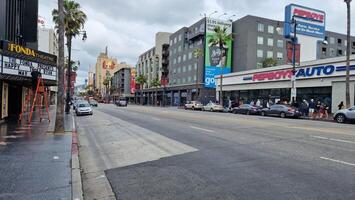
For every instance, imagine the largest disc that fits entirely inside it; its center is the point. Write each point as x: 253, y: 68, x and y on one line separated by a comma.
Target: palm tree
x: 155, y: 84
x: 141, y: 80
x: 220, y: 39
x: 74, y: 20
x: 59, y: 120
x: 197, y: 54
x: 347, y: 81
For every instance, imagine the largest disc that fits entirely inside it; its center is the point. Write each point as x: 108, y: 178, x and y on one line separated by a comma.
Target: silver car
x: 194, y: 105
x: 83, y: 108
x: 213, y: 107
x: 341, y: 116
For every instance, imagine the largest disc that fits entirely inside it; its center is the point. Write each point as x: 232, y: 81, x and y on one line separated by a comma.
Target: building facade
x: 121, y: 81
x: 322, y: 80
x: 257, y: 38
x: 47, y: 40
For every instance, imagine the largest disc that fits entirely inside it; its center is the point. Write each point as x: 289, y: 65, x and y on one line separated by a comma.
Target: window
x: 340, y: 52
x: 340, y: 41
x: 345, y: 42
x: 353, y: 53
x: 280, y: 43
x: 183, y: 80
x: 180, y: 36
x: 179, y: 70
x: 259, y: 65
x: 174, y: 70
x: 332, y: 52
x: 326, y: 38
x: 189, y: 79
x: 175, y: 40
x: 332, y: 40
x: 195, y: 78
x: 353, y: 44
x: 174, y: 62
x: 270, y: 29
x: 260, y: 53
x: 324, y: 50
x: 184, y: 69
x: 174, y: 81
x: 279, y: 55
x: 175, y: 51
x: 179, y: 48
x: 260, y: 40
x: 178, y: 81
x: 171, y: 42
x: 270, y: 54
x: 260, y: 27
x: 195, y: 66
x: 189, y: 67
x: 190, y: 55
x: 179, y: 59
x: 270, y: 42
x: 281, y: 31
x: 184, y: 57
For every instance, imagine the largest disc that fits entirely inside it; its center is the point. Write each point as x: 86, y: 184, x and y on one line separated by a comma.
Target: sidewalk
x: 35, y: 164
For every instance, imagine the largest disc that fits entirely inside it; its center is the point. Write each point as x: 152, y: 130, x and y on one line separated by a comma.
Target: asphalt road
x: 166, y: 153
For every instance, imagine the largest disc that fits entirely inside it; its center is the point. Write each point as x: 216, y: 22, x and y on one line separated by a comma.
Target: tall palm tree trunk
x: 67, y: 105
x: 221, y: 76
x: 59, y: 122
x: 347, y: 81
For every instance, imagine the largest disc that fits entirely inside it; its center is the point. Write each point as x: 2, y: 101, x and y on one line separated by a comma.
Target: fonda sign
x: 310, y: 22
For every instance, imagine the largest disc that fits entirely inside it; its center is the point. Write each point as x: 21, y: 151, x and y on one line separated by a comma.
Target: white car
x: 213, y: 107
x: 343, y: 115
x: 194, y: 105
x: 83, y: 108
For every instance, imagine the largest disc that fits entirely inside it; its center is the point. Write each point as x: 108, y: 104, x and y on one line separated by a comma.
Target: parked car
x: 83, y: 108
x: 341, y: 116
x: 121, y: 102
x: 194, y: 105
x: 213, y: 107
x: 247, y: 109
x: 281, y: 111
x: 93, y: 103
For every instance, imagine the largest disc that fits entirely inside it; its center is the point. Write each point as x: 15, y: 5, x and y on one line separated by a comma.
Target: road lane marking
x: 156, y: 119
x: 202, y: 129
x: 332, y: 139
x: 338, y: 161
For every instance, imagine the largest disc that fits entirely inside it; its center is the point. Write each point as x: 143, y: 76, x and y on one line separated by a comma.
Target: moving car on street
x: 93, y: 103
x: 281, y: 111
x: 247, y: 109
x: 344, y: 115
x: 213, y: 107
x: 83, y: 108
x: 194, y: 105
x: 121, y: 102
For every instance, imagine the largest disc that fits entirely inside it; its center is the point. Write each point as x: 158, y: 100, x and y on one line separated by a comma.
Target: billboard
x: 133, y: 81
x: 310, y: 22
x: 216, y: 58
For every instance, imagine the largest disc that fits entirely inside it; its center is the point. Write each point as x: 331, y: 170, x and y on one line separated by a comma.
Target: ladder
x: 39, y: 96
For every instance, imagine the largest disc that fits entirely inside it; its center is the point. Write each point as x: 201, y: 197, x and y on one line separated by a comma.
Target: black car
x: 247, y: 109
x: 93, y: 103
x: 281, y: 111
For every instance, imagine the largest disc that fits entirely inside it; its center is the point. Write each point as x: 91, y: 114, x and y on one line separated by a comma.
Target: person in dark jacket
x: 312, y: 106
x: 341, y: 105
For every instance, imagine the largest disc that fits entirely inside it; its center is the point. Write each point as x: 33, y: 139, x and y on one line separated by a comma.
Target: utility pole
x: 347, y: 79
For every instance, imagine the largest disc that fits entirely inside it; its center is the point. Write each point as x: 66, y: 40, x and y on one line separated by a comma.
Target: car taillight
x: 291, y: 110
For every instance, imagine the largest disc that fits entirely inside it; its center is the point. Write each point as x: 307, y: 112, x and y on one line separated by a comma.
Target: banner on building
x: 289, y: 47
x: 133, y: 80
x: 4, y: 100
x: 218, y: 59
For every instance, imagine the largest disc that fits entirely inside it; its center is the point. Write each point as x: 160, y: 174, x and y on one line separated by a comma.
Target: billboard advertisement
x: 217, y: 58
x: 310, y: 22
x: 133, y: 81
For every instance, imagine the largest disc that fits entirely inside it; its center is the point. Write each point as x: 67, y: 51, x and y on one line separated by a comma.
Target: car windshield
x: 83, y: 105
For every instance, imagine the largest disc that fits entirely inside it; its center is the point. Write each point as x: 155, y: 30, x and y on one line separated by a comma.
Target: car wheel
x: 248, y: 112
x: 340, y: 118
x: 263, y: 113
x: 282, y: 115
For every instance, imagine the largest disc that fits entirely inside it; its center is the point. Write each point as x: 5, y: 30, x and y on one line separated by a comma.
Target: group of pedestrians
x: 314, y: 109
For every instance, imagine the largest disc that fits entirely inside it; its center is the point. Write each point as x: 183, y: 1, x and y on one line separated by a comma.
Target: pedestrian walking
x: 252, y: 103
x: 304, y: 108
x: 311, y: 109
x: 341, y: 105
x: 317, y: 109
x: 258, y: 103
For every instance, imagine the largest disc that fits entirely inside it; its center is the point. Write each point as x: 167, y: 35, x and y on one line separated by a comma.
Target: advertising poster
x: 5, y: 100
x: 133, y: 80
x: 217, y: 58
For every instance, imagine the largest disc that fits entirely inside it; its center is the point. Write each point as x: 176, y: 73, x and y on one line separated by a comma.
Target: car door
x: 274, y: 110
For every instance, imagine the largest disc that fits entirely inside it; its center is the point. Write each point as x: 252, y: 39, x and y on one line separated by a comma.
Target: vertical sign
x: 289, y: 47
x: 5, y: 100
x: 133, y: 80
x: 310, y: 22
x: 217, y: 58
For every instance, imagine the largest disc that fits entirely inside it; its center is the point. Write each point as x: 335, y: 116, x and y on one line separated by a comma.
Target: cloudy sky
x: 128, y: 27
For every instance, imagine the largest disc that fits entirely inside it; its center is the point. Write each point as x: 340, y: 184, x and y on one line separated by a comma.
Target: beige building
x: 91, y: 78
x: 151, y: 63
x: 105, y: 69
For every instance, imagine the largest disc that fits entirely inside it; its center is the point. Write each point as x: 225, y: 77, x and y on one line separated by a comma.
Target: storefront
x: 321, y: 80
x: 17, y: 63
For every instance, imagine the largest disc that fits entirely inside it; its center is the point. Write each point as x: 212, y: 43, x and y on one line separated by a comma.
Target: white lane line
x: 156, y: 119
x: 202, y: 129
x: 332, y: 139
x: 338, y: 161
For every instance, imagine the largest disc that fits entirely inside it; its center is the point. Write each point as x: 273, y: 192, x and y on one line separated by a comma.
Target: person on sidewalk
x: 341, y: 105
x: 304, y: 108
x: 312, y: 106
x: 317, y: 109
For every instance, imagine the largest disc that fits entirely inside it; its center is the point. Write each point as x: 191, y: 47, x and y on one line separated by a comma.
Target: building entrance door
x: 15, y: 101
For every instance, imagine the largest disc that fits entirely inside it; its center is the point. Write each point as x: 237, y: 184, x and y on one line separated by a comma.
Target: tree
x: 197, y: 54
x: 269, y: 62
x: 347, y: 79
x: 59, y: 120
x: 156, y: 84
x: 220, y: 38
x: 141, y: 80
x: 74, y: 20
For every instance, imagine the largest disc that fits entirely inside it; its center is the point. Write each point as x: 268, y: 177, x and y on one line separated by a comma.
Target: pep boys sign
x: 300, y: 73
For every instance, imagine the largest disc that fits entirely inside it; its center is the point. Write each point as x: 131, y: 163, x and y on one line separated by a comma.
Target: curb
x: 77, y: 188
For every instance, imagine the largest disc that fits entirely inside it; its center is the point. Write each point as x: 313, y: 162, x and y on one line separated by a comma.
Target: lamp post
x: 67, y: 105
x: 347, y: 78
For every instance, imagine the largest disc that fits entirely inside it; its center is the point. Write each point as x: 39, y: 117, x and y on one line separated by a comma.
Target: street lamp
x: 294, y: 43
x: 67, y: 105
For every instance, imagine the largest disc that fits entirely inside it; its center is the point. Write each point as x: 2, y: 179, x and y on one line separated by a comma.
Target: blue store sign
x: 310, y: 22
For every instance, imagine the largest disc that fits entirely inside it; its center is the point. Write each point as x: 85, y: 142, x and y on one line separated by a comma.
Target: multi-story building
x: 91, y: 78
x: 47, y: 40
x: 121, y: 81
x: 257, y: 38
